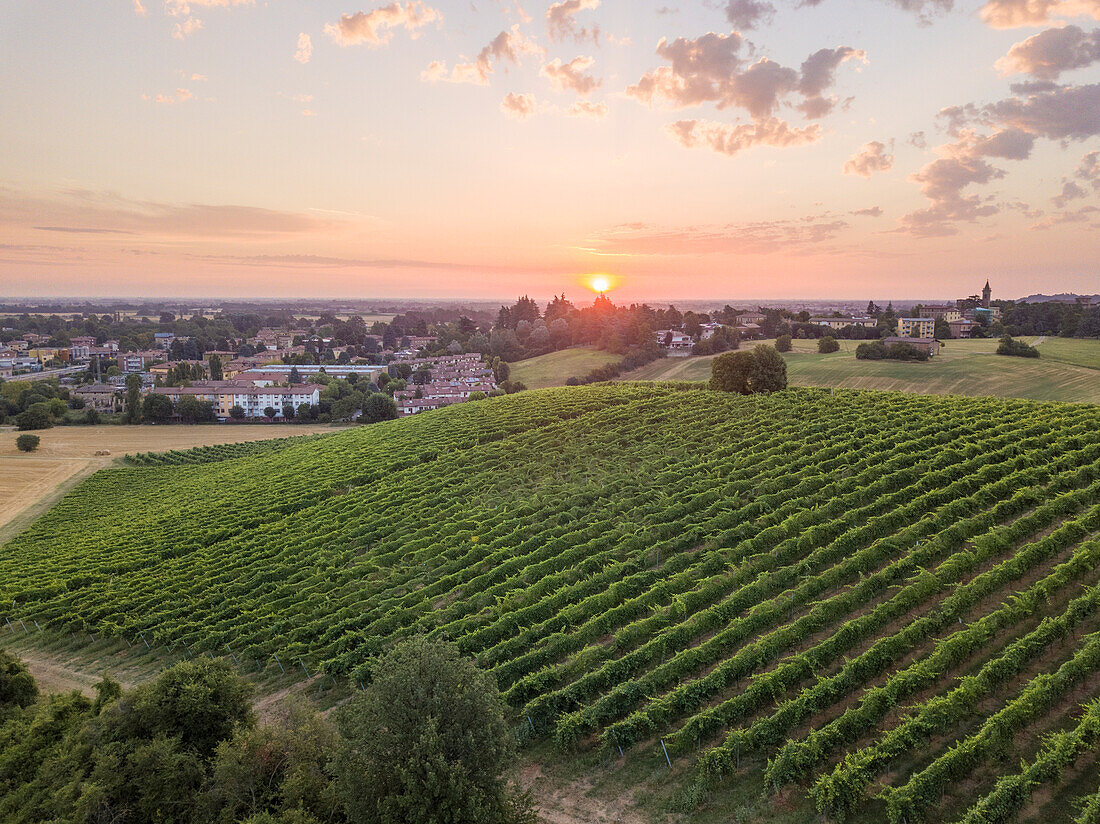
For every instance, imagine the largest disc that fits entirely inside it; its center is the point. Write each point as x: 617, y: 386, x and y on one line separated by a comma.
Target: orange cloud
x: 518, y: 106
x: 571, y: 76
x: 870, y: 159
x: 305, y: 48
x: 375, y: 27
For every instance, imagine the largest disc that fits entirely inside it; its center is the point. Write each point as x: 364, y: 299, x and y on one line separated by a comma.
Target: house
x: 930, y: 345
x: 947, y: 312
x: 961, y: 328
x: 45, y: 354
x: 82, y: 340
x: 843, y: 322
x: 674, y: 341
x: 751, y: 317
x: 138, y: 361
x: 254, y: 399
x: 98, y: 396
x: 917, y: 328
x: 163, y: 340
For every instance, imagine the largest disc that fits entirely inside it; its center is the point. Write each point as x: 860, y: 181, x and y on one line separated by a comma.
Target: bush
x: 760, y: 370
x: 877, y: 350
x: 236, y: 412
x: 27, y: 443
x: 425, y: 742
x: 1016, y: 348
x: 827, y: 344
x: 36, y: 417
x: 783, y: 343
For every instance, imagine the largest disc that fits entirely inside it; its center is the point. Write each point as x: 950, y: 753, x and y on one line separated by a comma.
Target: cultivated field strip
x: 812, y: 585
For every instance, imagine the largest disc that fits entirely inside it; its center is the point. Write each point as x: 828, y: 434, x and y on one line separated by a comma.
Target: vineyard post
x: 142, y: 636
x: 277, y: 661
x: 669, y: 760
x: 36, y: 626
x: 532, y: 723
x: 300, y: 661
x: 231, y: 655
x: 24, y: 626
x: 620, y: 746
x: 9, y: 625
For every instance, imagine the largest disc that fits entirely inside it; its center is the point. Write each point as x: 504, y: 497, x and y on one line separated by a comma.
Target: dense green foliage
x: 1016, y: 348
x: 761, y: 369
x: 27, y: 443
x: 890, y: 599
x: 878, y: 350
x: 827, y: 344
x: 426, y: 742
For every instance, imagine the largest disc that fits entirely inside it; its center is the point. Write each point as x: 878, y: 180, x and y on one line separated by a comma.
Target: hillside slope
x: 729, y: 579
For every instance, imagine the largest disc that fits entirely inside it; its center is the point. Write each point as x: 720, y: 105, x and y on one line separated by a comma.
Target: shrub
x: 827, y: 344
x: 783, y: 343
x: 36, y: 417
x: 1016, y: 348
x: 27, y: 443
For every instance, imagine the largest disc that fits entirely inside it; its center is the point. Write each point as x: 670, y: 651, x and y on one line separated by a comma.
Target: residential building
x: 961, y: 328
x: 751, y: 317
x: 843, y: 322
x: 674, y: 341
x: 917, y: 328
x: 163, y: 340
x: 99, y: 396
x: 947, y: 312
x: 45, y: 354
x: 138, y: 361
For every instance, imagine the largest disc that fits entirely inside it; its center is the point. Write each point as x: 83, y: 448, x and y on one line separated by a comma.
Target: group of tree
x: 757, y: 370
x: 424, y: 742
x: 878, y: 350
x: 41, y: 404
x: 1016, y: 348
x: 647, y: 353
x: 1051, y: 318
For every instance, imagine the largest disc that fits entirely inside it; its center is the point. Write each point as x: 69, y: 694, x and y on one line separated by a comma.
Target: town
x: 234, y: 367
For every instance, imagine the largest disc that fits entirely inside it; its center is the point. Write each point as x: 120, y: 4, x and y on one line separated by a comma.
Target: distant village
x: 237, y: 366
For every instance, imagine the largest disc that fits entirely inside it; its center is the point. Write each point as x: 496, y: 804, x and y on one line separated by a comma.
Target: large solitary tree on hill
x: 761, y: 369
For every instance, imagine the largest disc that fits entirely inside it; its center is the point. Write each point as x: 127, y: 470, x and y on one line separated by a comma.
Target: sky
x: 687, y: 149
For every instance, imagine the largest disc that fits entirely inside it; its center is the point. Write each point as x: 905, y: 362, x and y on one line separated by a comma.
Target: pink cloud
x: 571, y: 76
x: 562, y: 23
x: 518, y: 106
x: 1010, y: 14
x: 731, y: 139
x: 870, y: 159
x: 305, y: 48
x: 376, y: 27
x: 509, y: 45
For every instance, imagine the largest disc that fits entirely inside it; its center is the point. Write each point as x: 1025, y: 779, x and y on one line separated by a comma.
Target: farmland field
x: 1069, y: 370
x: 879, y: 606
x: 29, y: 481
x: 555, y: 368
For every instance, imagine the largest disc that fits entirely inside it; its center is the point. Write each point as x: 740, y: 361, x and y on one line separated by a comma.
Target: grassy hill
x: 753, y: 585
x: 1069, y: 370
x: 555, y: 368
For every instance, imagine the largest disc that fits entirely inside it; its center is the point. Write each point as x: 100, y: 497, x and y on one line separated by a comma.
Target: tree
x: 17, y: 687
x: 270, y: 412
x: 133, y: 399
x: 288, y: 411
x: 27, y: 443
x: 1016, y: 348
x: 295, y: 377
x: 36, y: 416
x: 827, y: 344
x: 732, y: 372
x: 215, y: 365
x: 305, y: 412
x: 192, y: 410
x: 91, y: 416
x: 427, y: 742
x: 476, y: 396
x: 760, y: 370
x: 236, y: 412
x: 783, y: 343
x: 378, y: 407
x: 771, y: 370
x: 157, y: 408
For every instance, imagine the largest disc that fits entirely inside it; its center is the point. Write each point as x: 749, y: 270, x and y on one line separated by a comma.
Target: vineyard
x: 884, y: 606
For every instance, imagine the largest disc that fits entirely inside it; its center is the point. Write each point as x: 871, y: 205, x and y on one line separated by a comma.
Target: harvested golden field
x: 29, y: 483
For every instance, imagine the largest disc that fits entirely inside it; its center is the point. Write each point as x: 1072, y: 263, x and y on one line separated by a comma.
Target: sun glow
x: 599, y: 283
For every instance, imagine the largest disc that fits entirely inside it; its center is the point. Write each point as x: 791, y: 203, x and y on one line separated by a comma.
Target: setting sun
x: 599, y: 283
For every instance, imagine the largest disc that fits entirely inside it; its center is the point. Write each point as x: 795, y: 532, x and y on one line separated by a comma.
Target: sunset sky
x: 433, y: 148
